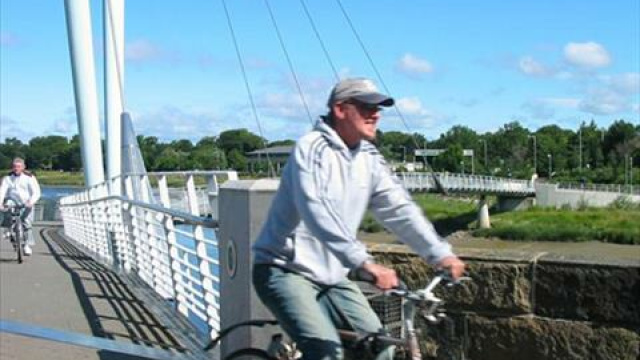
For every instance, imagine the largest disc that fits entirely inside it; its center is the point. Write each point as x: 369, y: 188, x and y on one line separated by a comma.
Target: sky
x: 479, y: 64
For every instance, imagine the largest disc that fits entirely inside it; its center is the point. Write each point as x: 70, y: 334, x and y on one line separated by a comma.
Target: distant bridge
x: 472, y: 184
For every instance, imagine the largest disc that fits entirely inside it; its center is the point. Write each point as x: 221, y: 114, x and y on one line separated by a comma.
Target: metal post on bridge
x: 245, y: 204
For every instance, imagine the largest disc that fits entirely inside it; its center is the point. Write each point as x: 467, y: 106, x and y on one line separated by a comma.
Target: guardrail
x: 414, y: 181
x: 172, y: 250
x: 615, y: 188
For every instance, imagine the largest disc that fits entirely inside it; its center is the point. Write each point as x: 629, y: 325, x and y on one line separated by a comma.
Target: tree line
x: 589, y: 153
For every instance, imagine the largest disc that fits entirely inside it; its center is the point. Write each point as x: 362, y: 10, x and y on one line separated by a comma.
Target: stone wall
x: 531, y: 306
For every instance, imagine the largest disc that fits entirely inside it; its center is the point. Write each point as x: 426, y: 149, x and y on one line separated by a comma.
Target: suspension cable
x: 107, y: 4
x: 247, y: 86
x: 438, y: 184
x: 324, y: 48
x: 286, y: 55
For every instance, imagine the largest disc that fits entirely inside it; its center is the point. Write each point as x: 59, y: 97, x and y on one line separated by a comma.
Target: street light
x: 580, y: 146
x: 631, y: 171
x: 462, y: 163
x: 550, y: 157
x: 535, y: 154
x: 485, y: 154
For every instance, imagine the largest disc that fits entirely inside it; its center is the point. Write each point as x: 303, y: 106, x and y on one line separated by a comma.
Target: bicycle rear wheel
x: 249, y: 354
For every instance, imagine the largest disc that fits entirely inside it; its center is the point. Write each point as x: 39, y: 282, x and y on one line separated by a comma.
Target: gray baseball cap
x: 360, y: 89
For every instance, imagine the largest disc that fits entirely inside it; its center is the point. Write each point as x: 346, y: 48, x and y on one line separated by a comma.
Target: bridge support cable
x: 437, y: 181
x: 322, y: 44
x: 286, y: 55
x: 114, y: 101
x: 245, y: 77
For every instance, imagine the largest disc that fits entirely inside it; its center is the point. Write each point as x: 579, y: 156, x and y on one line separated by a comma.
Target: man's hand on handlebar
x: 383, y: 277
x: 454, y: 265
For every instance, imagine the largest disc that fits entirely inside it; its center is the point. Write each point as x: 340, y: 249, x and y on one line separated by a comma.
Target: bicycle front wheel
x: 249, y: 354
x: 18, y: 238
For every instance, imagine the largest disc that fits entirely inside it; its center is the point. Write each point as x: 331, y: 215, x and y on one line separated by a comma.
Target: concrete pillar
x: 483, y: 213
x: 245, y: 204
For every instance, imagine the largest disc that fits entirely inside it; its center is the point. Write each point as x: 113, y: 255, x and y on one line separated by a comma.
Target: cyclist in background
x: 22, y: 187
x: 308, y: 244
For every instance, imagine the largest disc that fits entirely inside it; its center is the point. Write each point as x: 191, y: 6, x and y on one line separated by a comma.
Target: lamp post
x: 462, y: 164
x: 535, y: 154
x: 580, y: 148
x: 486, y: 166
x: 550, y: 157
x: 631, y: 170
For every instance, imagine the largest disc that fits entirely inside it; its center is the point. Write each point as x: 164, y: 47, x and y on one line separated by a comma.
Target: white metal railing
x: 416, y: 181
x: 615, y: 188
x: 170, y: 243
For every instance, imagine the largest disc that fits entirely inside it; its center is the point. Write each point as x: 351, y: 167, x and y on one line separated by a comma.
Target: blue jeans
x: 307, y: 310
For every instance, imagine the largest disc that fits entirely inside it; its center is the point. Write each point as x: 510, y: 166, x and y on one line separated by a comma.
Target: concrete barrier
x: 549, y: 195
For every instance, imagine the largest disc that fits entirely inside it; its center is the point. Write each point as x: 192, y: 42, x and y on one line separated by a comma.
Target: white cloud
x: 175, y: 123
x: 416, y: 114
x: 627, y: 84
x: 604, y: 102
x: 414, y: 66
x: 8, y: 39
x: 586, y: 55
x: 568, y: 103
x: 283, y: 105
x: 143, y: 50
x: 10, y: 128
x: 529, y: 66
x: 546, y: 108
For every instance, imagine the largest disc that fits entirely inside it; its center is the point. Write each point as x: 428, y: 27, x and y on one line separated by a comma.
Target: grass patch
x: 60, y: 178
x: 448, y: 214
x: 611, y: 224
x: 616, y: 224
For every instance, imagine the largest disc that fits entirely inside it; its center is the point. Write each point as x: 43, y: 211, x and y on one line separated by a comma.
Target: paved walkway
x: 60, y: 287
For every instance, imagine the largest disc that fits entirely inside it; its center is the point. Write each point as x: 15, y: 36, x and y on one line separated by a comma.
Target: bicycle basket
x: 388, y: 309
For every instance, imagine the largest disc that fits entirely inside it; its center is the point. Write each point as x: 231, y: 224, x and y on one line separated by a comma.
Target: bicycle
x: 362, y: 344
x: 16, y: 228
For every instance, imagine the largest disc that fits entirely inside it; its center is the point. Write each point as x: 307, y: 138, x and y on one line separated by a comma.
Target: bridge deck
x: 60, y: 287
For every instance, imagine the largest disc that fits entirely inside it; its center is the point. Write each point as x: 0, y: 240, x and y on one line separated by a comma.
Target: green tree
x: 237, y: 160
x: 169, y: 160
x: 451, y: 159
x: 239, y: 139
x: 45, y: 151
x: 286, y: 142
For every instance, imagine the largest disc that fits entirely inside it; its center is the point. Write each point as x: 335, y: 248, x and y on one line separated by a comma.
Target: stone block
x: 497, y: 287
x: 588, y: 292
x: 531, y: 338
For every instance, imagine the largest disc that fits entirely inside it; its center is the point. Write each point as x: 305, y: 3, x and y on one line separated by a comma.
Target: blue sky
x: 475, y: 63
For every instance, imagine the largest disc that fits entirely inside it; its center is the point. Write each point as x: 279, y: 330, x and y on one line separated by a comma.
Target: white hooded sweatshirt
x: 324, y: 192
x: 23, y: 187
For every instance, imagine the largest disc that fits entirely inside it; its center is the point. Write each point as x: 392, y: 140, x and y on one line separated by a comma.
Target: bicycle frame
x: 410, y: 302
x: 17, y: 231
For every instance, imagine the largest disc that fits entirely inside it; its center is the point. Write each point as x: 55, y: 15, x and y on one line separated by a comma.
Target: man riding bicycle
x: 22, y: 187
x: 308, y: 244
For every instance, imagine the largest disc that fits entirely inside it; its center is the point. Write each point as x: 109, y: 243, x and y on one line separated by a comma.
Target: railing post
x: 212, y: 195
